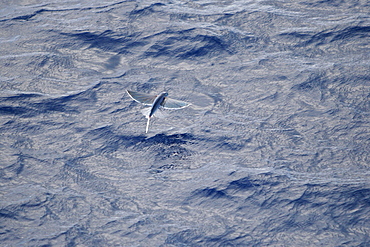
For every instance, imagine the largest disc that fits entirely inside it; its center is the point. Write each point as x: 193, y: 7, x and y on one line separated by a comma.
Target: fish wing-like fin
x: 143, y: 98
x: 160, y: 113
x: 169, y: 103
x: 146, y: 111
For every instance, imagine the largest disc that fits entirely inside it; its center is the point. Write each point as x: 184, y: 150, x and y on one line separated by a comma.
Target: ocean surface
x: 273, y: 151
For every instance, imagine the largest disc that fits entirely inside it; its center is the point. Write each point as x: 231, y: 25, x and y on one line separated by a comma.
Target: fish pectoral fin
x: 161, y: 113
x: 146, y: 111
x: 143, y: 98
x: 174, y: 104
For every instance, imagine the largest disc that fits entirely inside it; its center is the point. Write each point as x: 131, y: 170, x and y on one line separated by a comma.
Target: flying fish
x: 156, y: 102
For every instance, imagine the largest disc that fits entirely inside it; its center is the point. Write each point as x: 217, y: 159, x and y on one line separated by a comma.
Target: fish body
x: 159, y: 101
x: 156, y: 102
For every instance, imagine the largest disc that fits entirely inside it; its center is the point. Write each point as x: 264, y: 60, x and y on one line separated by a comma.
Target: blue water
x: 274, y: 150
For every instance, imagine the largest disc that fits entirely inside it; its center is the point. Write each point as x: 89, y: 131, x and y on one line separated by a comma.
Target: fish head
x: 165, y: 94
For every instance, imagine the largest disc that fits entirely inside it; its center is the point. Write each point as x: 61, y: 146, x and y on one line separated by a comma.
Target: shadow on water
x: 164, y: 152
x: 113, y: 141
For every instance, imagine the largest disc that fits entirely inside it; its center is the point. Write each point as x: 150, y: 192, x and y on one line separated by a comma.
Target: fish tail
x: 147, y: 125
